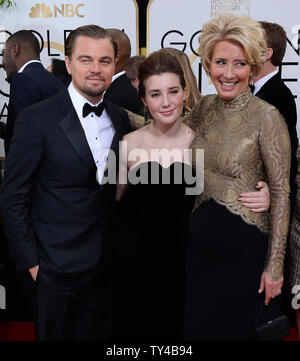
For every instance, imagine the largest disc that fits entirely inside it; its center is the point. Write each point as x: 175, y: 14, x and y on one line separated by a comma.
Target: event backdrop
x: 178, y: 23
x: 52, y: 20
x: 174, y: 23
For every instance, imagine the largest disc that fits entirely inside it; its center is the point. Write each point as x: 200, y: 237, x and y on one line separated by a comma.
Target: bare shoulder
x: 135, y: 138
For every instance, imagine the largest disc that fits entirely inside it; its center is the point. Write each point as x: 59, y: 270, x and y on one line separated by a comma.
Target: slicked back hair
x: 89, y: 31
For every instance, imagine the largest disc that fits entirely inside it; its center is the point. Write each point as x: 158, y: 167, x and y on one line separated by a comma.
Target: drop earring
x: 146, y: 115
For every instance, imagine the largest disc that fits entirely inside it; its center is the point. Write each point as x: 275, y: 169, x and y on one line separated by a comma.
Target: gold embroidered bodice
x: 245, y: 140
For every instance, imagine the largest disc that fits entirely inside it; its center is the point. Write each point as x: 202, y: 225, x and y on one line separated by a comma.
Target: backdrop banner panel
x: 52, y: 20
x: 177, y: 23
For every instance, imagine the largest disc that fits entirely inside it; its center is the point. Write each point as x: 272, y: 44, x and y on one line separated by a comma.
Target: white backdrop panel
x: 52, y: 20
x: 177, y: 23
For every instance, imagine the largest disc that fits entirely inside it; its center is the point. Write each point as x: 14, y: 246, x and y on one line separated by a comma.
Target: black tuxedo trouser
x: 77, y: 308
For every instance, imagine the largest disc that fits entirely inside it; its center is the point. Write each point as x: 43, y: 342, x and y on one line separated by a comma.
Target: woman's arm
x: 276, y: 154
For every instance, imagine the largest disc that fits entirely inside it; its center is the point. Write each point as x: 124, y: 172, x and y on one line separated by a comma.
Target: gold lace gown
x: 244, y: 140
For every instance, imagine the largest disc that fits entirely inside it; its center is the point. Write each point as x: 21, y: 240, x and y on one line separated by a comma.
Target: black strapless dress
x: 225, y: 261
x: 162, y: 210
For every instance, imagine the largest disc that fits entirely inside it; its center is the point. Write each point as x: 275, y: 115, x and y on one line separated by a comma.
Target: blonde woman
x: 235, y: 257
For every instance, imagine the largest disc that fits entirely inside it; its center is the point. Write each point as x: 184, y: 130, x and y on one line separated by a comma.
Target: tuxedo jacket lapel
x: 71, y: 126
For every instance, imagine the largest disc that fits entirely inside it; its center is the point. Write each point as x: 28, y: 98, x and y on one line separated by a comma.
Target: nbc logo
x: 65, y: 10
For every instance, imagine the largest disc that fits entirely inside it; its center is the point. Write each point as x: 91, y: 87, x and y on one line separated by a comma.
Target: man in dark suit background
x: 269, y: 87
x: 29, y: 81
x: 121, y: 91
x: 59, y: 217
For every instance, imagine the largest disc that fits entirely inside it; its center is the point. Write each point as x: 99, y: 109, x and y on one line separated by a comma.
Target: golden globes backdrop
x: 177, y: 23
x: 52, y: 20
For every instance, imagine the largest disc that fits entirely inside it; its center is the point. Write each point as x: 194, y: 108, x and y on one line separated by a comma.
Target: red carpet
x: 293, y: 336
x: 17, y: 331
x: 24, y: 331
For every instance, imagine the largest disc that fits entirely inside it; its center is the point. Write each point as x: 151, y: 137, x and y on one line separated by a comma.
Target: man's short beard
x: 93, y: 93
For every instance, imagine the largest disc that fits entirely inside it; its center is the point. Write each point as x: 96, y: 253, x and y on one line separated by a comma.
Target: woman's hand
x: 272, y: 288
x: 257, y: 201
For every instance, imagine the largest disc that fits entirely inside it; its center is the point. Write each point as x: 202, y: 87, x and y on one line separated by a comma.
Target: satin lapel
x: 71, y: 126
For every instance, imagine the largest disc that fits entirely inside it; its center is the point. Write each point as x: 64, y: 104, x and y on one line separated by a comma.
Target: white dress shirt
x: 99, y: 131
x: 258, y: 85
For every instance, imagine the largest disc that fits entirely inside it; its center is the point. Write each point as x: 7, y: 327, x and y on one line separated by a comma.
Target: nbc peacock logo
x: 65, y: 10
x: 40, y: 9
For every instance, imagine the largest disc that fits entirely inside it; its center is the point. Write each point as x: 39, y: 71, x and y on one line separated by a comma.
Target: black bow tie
x: 87, y: 109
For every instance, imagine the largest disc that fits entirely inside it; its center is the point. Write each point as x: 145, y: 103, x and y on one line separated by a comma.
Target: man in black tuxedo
x: 59, y: 216
x: 269, y: 87
x: 29, y: 81
x: 121, y: 91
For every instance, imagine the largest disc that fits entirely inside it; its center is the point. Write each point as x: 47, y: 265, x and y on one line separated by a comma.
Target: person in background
x: 235, y: 257
x: 121, y: 91
x: 29, y: 81
x: 58, y: 68
x: 132, y: 69
x: 192, y: 92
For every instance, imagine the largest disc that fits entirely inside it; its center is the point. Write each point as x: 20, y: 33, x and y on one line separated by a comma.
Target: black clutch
x: 271, y: 324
